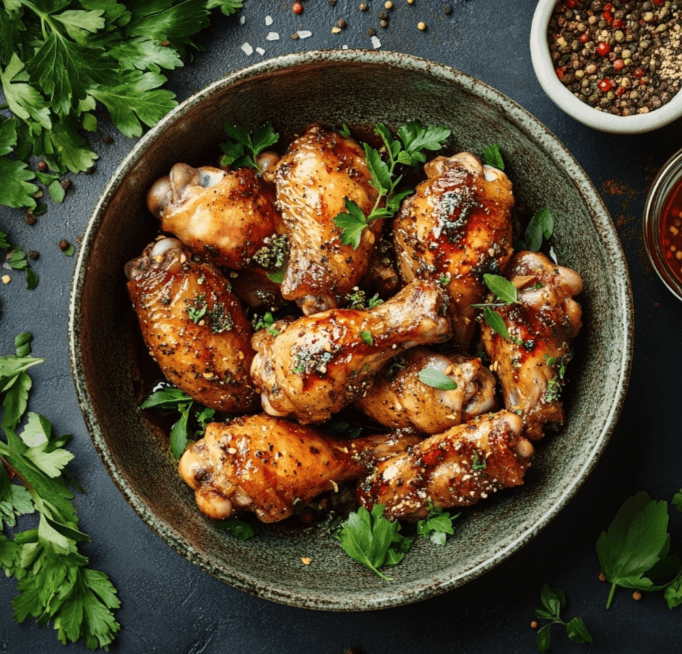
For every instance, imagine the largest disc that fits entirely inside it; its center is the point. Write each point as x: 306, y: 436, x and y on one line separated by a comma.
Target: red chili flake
x: 297, y: 8
x: 642, y: 82
x: 605, y: 85
x: 617, y: 23
x: 618, y: 64
x: 659, y: 2
x: 638, y: 72
x: 603, y: 48
x: 608, y: 16
x: 571, y: 4
x: 608, y: 6
x: 584, y: 38
x: 560, y: 73
x: 620, y: 91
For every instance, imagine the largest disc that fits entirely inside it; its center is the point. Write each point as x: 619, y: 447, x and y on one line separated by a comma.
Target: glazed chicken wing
x: 531, y: 364
x: 268, y: 465
x: 398, y: 398
x: 224, y: 215
x: 456, y: 468
x: 194, y: 327
x: 454, y: 229
x: 316, y: 175
x: 319, y: 364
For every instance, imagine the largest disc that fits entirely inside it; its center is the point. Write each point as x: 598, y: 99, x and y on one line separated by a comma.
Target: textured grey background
x: 171, y: 606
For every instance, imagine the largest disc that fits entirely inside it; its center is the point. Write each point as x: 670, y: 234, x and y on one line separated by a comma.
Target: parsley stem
x: 611, y: 594
x: 13, y: 471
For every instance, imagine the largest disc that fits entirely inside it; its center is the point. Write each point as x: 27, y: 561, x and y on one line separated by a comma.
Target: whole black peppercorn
x: 63, y: 245
x: 383, y: 15
x: 364, y: 7
x: 371, y: 31
x: 33, y: 254
x: 342, y: 23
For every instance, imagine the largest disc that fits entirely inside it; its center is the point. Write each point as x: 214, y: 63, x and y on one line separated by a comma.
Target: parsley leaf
x: 16, y: 189
x: 352, y: 224
x: 237, y: 528
x: 372, y: 540
x: 437, y: 525
x: 635, y: 542
x: 493, y: 157
x: 277, y: 277
x: 178, y: 434
x: 246, y: 147
x: 367, y: 337
x: 437, y: 379
x: 673, y: 593
x: 266, y: 322
x: 553, y: 601
x: 677, y: 500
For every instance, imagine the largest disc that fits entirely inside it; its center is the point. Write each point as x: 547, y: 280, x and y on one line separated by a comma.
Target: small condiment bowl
x: 566, y: 101
x: 664, y: 184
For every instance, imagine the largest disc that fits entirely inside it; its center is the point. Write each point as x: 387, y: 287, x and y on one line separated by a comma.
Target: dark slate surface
x: 171, y: 606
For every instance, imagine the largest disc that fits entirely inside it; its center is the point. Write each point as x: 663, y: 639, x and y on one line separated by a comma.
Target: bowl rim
x: 400, y: 593
x: 567, y: 102
x: 651, y: 218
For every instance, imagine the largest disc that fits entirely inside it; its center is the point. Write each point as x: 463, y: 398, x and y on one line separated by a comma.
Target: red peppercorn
x: 560, y: 73
x: 603, y: 48
x: 618, y: 64
x: 584, y: 38
x: 660, y: 3
x: 571, y: 4
x: 638, y: 72
x: 608, y: 6
x: 297, y: 8
x: 617, y: 23
x: 605, y: 85
x: 608, y: 16
x: 620, y: 91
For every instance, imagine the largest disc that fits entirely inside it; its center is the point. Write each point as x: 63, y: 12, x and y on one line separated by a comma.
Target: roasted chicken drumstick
x: 267, y: 465
x: 398, y: 398
x: 319, y: 364
x: 316, y: 175
x: 541, y: 327
x: 194, y: 327
x: 456, y: 468
x: 454, y: 229
x: 224, y: 215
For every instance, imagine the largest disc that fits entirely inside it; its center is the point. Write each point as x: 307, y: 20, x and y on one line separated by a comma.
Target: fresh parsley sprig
x: 266, y: 321
x: 505, y: 291
x: 553, y: 600
x: 408, y: 149
x: 17, y: 261
x: 55, y: 583
x: 246, y: 146
x: 373, y: 540
x: 492, y: 156
x: 169, y: 399
x: 634, y: 551
x: 437, y: 525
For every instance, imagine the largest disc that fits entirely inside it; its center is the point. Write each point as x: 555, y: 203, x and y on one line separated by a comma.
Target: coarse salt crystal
x: 247, y: 49
x: 272, y: 36
x: 268, y: 20
x: 304, y: 34
x: 242, y: 20
x: 344, y: 47
x: 376, y: 43
x: 260, y: 51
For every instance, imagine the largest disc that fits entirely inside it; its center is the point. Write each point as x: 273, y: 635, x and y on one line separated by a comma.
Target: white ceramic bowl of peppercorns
x: 614, y: 66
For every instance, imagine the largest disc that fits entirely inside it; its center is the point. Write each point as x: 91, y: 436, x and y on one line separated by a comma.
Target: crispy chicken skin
x: 455, y: 228
x: 268, y: 465
x: 316, y: 175
x: 208, y: 359
x: 319, y: 364
x: 456, y: 468
x: 223, y: 215
x: 398, y: 398
x: 546, y: 320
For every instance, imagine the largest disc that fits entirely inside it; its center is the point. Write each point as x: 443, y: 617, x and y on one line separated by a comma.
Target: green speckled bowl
x: 358, y: 88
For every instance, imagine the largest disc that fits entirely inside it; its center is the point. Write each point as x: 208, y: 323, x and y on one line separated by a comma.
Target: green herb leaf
x: 552, y: 599
x: 437, y: 525
x: 437, y: 379
x: 31, y: 279
x: 493, y: 157
x: 367, y: 537
x: 345, y: 131
x: 167, y: 398
x: 247, y: 146
x: 577, y: 631
x: 673, y: 593
x: 277, y: 277
x: 352, y: 224
x: 237, y: 528
x: 541, y: 225
x: 543, y: 638
x: 496, y: 322
x: 502, y: 288
x: 677, y: 500
x: 227, y: 7
x: 22, y: 344
x: 16, y: 189
x: 635, y: 542
x: 367, y: 337
x: 178, y: 435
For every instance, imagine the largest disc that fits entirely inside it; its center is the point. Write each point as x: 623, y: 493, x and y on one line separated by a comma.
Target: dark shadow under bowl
x: 358, y: 88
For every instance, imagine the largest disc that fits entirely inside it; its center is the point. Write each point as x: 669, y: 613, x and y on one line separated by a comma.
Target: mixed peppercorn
x: 622, y: 57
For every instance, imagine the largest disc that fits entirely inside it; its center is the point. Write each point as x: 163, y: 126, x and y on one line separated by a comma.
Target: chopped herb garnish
x: 245, y: 146
x: 219, y: 319
x: 397, y: 364
x: 479, y: 462
x: 553, y: 600
x: 237, y: 528
x: 272, y: 255
x: 17, y: 260
x: 437, y: 379
x: 266, y: 322
x: 493, y: 157
x: 408, y: 149
x: 197, y: 310
x: 367, y: 337
x: 277, y: 277
x: 345, y: 131
x: 358, y: 300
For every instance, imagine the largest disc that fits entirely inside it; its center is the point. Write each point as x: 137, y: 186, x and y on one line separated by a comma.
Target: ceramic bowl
x: 359, y: 88
x: 566, y: 101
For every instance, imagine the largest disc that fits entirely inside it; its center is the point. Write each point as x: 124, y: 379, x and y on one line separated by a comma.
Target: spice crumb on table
x: 622, y: 57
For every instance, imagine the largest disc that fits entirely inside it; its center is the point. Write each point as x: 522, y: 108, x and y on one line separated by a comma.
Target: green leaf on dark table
x: 677, y: 500
x: 577, y: 631
x: 543, y: 638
